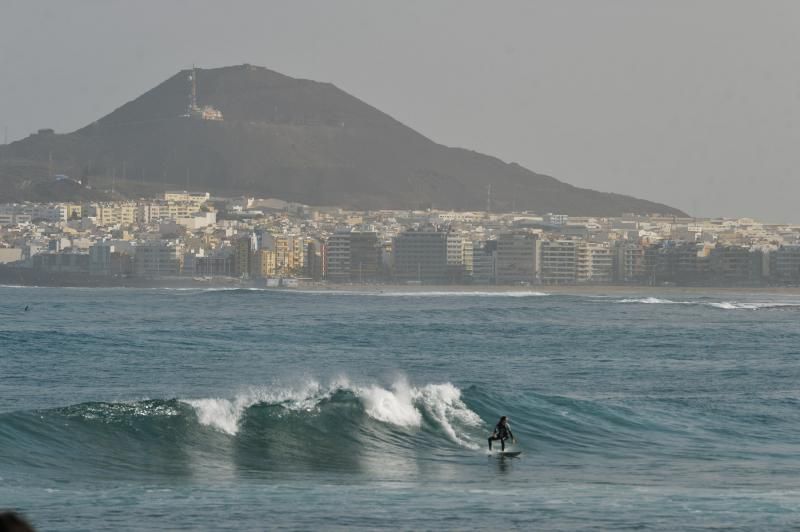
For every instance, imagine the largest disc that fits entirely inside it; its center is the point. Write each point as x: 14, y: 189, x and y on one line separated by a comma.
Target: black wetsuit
x: 501, y: 432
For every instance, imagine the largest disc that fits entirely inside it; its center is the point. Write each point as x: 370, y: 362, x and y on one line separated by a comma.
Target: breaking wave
x: 399, y: 405
x: 390, y: 431
x: 465, y: 294
x: 736, y: 305
x: 649, y: 301
x: 419, y: 293
x: 722, y: 305
x: 338, y: 425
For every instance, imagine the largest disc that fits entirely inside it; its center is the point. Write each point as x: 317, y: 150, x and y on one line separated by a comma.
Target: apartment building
x: 516, y: 258
x: 784, y: 264
x: 114, y: 213
x: 559, y: 261
x: 630, y: 263
x: 594, y: 262
x: 420, y: 256
x: 353, y: 256
x: 158, y: 258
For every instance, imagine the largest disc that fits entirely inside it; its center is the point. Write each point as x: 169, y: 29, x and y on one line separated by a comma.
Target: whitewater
x: 125, y: 409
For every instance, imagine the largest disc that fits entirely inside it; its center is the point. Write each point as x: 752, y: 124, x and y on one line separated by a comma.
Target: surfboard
x: 507, y: 454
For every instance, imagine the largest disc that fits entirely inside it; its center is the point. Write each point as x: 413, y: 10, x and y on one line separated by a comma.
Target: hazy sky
x: 692, y: 103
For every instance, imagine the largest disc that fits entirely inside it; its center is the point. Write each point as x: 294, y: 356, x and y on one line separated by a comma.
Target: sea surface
x: 134, y: 409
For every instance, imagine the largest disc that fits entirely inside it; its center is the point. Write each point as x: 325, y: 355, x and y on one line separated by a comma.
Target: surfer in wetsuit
x: 502, y: 432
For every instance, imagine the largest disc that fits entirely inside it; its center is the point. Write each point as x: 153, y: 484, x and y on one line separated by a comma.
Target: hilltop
x: 293, y: 139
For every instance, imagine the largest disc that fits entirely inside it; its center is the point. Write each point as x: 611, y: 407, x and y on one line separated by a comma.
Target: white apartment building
x: 455, y: 249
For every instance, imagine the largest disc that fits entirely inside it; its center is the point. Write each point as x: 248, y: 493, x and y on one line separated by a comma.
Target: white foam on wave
x: 219, y: 289
x: 399, y: 404
x: 394, y: 406
x: 221, y: 414
x: 400, y: 293
x: 737, y: 305
x: 225, y: 414
x: 443, y: 402
x: 724, y: 305
x: 525, y: 293
x: 403, y: 405
x: 649, y: 301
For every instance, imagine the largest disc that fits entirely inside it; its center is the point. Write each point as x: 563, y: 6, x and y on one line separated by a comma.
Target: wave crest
x: 400, y: 405
x: 723, y: 305
x: 648, y: 301
x: 737, y: 305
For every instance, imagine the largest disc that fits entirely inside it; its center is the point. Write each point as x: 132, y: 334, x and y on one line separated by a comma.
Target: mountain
x: 293, y: 139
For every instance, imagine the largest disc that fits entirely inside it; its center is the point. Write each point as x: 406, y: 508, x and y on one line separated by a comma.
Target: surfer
x: 502, y: 432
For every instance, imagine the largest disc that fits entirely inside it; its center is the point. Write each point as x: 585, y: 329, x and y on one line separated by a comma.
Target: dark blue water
x: 125, y: 409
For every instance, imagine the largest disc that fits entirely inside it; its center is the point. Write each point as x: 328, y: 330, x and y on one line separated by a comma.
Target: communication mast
x: 193, y: 110
x: 193, y: 94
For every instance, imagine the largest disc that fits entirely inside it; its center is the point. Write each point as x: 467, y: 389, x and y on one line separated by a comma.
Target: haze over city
x: 690, y: 104
x: 408, y: 265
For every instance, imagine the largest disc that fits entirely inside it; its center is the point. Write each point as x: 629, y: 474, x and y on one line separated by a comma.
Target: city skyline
x: 196, y: 239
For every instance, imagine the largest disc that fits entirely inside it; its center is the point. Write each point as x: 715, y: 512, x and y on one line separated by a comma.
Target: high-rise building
x: 559, y: 261
x: 630, y: 263
x: 516, y: 258
x: 483, y: 262
x: 594, y: 262
x: 420, y: 256
x: 456, y: 268
x: 313, y: 263
x: 337, y: 257
x: 683, y: 263
x: 784, y: 264
x: 365, y: 256
x: 243, y: 256
x: 266, y: 263
x: 158, y: 258
x: 100, y: 258
x: 290, y: 252
x: 468, y: 253
x: 735, y: 265
x: 353, y: 256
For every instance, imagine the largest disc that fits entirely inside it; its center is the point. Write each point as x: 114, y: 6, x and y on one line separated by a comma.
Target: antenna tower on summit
x: 193, y: 93
x: 193, y: 110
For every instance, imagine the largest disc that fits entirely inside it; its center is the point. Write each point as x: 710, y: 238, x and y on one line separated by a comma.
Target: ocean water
x: 131, y: 409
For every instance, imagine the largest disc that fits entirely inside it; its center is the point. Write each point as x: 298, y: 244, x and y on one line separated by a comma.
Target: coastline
x: 599, y: 290
x: 18, y: 277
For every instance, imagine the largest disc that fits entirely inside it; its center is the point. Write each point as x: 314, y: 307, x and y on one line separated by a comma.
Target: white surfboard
x: 507, y: 454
